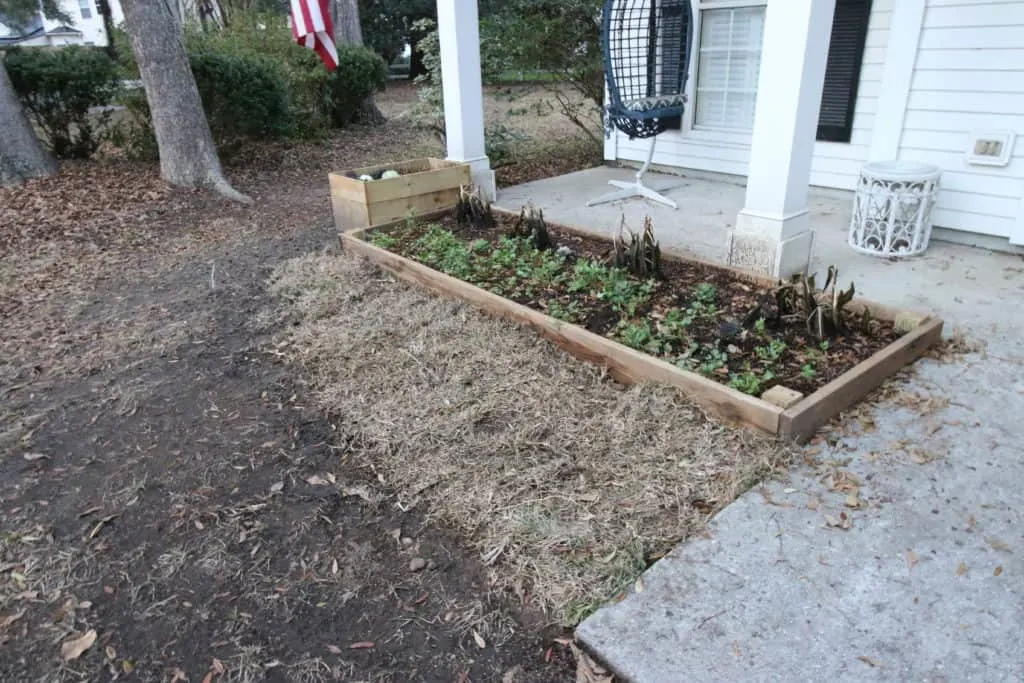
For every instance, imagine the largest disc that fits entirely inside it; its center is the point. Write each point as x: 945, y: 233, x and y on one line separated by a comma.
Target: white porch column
x: 458, y: 30
x: 773, y: 234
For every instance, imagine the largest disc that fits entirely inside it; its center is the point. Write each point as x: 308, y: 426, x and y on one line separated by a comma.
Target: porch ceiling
x: 963, y: 284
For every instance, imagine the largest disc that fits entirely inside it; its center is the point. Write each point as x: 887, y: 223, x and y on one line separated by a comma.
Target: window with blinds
x: 729, y: 59
x: 85, y: 8
x: 728, y: 63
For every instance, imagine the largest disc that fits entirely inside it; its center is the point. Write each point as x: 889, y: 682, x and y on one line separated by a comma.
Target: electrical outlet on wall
x: 990, y: 148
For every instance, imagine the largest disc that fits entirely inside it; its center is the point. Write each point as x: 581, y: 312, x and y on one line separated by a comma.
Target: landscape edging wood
x: 797, y: 423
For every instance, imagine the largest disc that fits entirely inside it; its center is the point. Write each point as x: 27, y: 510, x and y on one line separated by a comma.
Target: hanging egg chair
x: 646, y: 46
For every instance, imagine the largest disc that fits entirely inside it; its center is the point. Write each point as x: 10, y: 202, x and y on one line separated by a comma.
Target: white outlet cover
x: 1005, y: 138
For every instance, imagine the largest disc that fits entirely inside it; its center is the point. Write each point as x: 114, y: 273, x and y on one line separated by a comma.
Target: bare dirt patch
x: 166, y: 480
x: 568, y: 483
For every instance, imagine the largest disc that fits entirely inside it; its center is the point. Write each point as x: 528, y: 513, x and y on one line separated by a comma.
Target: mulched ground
x: 724, y: 325
x: 160, y: 459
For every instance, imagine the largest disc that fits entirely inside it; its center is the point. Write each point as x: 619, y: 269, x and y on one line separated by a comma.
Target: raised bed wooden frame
x: 796, y: 423
x: 425, y: 185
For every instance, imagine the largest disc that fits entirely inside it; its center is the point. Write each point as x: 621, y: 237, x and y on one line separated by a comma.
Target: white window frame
x: 689, y: 130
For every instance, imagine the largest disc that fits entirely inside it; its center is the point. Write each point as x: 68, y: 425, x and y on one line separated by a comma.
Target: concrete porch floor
x: 925, y: 584
x: 963, y: 284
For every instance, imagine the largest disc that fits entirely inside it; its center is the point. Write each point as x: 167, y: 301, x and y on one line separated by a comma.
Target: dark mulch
x: 729, y: 328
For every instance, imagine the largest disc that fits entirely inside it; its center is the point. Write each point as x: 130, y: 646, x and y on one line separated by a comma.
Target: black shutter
x: 673, y: 28
x: 845, y: 53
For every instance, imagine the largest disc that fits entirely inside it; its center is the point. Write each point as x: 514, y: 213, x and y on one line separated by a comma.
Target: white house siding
x: 969, y: 75
x: 834, y: 165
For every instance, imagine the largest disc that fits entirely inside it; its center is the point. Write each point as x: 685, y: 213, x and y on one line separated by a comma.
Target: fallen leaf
x: 639, y: 585
x: 217, y: 667
x: 90, y: 511
x: 110, y: 652
x: 911, y: 559
x: 11, y: 618
x: 842, y: 522
x: 127, y: 666
x: 868, y: 661
x: 361, y: 645
x: 961, y: 569
x: 813, y: 502
x: 998, y: 570
x: 479, y: 639
x: 208, y: 678
x: 316, y: 480
x: 177, y: 675
x: 852, y: 501
x: 277, y: 487
x: 74, y: 648
x: 334, y: 648
x: 997, y: 544
x: 32, y: 457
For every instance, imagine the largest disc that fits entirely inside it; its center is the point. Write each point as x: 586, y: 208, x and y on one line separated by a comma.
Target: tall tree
x: 188, y: 157
x: 21, y: 154
x: 347, y: 31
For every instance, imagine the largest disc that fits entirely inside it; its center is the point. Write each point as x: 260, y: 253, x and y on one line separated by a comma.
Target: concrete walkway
x: 923, y: 579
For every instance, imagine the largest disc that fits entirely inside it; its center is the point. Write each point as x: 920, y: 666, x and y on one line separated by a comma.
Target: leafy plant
x: 638, y: 336
x: 383, y: 240
x: 625, y: 296
x: 808, y: 371
x: 711, y: 359
x: 772, y: 351
x: 531, y: 226
x: 706, y: 293
x: 640, y: 255
x: 569, y: 312
x: 822, y: 312
x: 748, y: 382
x: 587, y: 275
x: 473, y: 209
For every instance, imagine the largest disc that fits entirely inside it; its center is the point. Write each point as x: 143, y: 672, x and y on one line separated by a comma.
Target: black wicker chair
x: 647, y: 46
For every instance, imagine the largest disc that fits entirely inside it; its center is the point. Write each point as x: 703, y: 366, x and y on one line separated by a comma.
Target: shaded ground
x: 162, y: 472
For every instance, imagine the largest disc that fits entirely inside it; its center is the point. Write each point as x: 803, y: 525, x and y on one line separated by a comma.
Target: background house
x: 915, y: 80
x: 86, y: 27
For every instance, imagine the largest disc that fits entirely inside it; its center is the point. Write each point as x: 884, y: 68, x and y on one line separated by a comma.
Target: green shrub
x: 59, y: 87
x: 360, y: 73
x: 263, y: 35
x: 244, y: 96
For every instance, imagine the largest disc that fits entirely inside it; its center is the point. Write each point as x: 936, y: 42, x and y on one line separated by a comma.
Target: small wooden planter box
x: 424, y: 185
x: 797, y: 422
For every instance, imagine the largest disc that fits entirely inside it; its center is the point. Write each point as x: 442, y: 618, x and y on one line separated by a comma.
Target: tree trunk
x: 347, y: 31
x: 188, y: 157
x: 21, y: 154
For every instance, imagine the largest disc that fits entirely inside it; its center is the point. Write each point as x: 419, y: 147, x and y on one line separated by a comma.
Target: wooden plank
x: 385, y: 212
x: 802, y: 420
x: 415, y: 184
x: 625, y: 364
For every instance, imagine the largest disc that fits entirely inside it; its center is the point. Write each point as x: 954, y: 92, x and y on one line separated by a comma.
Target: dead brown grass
x: 567, y: 482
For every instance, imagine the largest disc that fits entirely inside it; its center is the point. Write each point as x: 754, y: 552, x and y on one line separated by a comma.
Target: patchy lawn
x: 231, y: 453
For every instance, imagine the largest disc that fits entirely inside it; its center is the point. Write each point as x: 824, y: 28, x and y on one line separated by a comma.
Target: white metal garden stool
x: 892, y: 208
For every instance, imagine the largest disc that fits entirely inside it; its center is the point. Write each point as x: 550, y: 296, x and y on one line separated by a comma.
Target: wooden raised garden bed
x: 421, y: 186
x: 779, y: 378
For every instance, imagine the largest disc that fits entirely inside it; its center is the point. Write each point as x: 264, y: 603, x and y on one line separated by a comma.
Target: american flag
x: 312, y: 28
